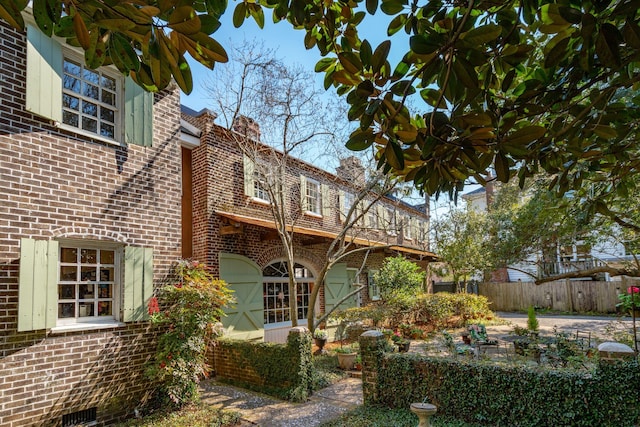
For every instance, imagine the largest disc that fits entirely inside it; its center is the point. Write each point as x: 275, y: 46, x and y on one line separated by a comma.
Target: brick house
x: 235, y: 231
x: 90, y: 190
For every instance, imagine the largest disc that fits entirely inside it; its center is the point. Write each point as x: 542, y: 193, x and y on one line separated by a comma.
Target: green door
x: 246, y: 319
x: 337, y: 286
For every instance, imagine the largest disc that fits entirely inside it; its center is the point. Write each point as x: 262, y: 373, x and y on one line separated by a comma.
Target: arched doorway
x: 277, y: 296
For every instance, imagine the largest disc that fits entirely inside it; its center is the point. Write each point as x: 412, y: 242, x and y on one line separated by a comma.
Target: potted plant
x: 320, y: 337
x: 346, y: 357
x: 630, y: 301
x: 402, y: 343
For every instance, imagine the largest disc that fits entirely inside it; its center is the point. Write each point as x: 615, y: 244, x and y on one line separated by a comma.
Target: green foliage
x: 191, y: 305
x: 476, y: 392
x: 439, y: 310
x: 532, y: 320
x: 377, y: 416
x: 325, y: 371
x: 193, y: 416
x: 399, y: 278
x: 461, y: 242
x: 285, y: 370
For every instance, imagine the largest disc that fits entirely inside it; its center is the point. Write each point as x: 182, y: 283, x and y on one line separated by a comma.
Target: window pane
x: 70, y: 119
x: 66, y: 292
x: 68, y: 255
x: 85, y: 309
x: 90, y: 91
x: 91, y: 76
x: 107, y: 130
x: 107, y: 114
x: 108, y: 83
x: 70, y: 102
x: 90, y: 125
x: 69, y: 273
x: 86, y: 292
x: 104, y: 291
x: 66, y: 310
x: 88, y: 273
x: 72, y: 68
x: 71, y: 83
x: 108, y: 97
x: 88, y: 256
x: 106, y: 274
x: 104, y: 308
x: 107, y: 257
x: 90, y: 109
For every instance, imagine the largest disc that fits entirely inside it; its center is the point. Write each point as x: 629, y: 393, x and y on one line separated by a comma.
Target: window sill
x: 91, y: 136
x: 312, y: 214
x: 260, y: 201
x: 88, y: 326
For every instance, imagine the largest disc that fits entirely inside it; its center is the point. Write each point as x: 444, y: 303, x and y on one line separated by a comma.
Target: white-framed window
x: 313, y: 197
x: 349, y: 200
x: 372, y: 218
x: 260, y: 187
x: 88, y: 283
x: 101, y: 104
x: 91, y: 99
x: 80, y: 284
x: 406, y: 227
x: 390, y: 216
x: 277, y: 292
x: 374, y: 289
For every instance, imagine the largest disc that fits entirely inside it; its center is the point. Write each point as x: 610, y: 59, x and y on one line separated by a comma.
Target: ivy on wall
x: 284, y: 370
x: 513, y: 396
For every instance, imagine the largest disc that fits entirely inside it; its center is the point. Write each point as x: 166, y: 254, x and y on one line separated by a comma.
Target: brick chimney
x: 248, y: 127
x: 351, y: 170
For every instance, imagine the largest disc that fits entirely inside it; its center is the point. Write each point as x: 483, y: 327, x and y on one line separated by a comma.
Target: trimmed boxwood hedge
x: 514, y: 396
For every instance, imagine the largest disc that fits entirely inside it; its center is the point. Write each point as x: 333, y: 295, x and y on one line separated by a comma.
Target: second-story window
x: 90, y: 99
x: 260, y: 187
x: 406, y: 227
x: 372, y: 218
x: 313, y: 197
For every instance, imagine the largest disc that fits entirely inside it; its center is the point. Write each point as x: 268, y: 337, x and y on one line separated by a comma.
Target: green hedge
x: 509, y: 396
x: 285, y: 370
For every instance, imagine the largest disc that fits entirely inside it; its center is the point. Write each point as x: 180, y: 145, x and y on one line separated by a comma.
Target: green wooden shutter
x: 249, y: 169
x: 138, y: 111
x: 303, y: 193
x: 337, y: 286
x: 38, y: 290
x: 374, y: 291
x: 138, y: 283
x: 342, y: 205
x: 244, y: 277
x: 44, y: 75
x: 325, y: 199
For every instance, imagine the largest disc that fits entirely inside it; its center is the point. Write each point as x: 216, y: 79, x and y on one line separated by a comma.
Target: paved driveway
x: 597, y: 325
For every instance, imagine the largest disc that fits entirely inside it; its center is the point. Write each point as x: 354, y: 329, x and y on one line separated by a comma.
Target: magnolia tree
x: 520, y: 86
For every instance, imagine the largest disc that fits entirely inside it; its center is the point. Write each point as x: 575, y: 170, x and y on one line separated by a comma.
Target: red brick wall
x: 222, y: 188
x: 57, y: 184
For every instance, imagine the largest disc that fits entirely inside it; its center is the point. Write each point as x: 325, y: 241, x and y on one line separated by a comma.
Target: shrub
x: 478, y: 392
x: 398, y: 277
x: 191, y: 305
x: 532, y: 320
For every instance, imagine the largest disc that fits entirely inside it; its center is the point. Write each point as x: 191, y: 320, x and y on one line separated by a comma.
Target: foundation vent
x: 84, y: 418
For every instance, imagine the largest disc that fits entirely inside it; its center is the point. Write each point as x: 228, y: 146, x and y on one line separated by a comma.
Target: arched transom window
x: 277, y: 295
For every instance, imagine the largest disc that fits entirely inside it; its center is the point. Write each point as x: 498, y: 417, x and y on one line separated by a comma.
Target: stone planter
x: 346, y: 360
x: 320, y: 343
x: 423, y: 411
x: 403, y: 347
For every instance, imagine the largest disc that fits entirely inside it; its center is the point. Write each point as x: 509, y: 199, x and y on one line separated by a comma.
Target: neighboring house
x: 90, y: 221
x: 236, y: 232
x: 558, y: 259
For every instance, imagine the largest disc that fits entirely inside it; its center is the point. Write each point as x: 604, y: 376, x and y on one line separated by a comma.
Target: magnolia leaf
x: 122, y: 53
x: 118, y: 24
x: 182, y: 75
x: 94, y: 56
x: 365, y: 54
x: 424, y: 45
x: 82, y: 34
x: 465, y: 72
x: 379, y: 57
x: 481, y: 35
x: 257, y: 13
x: 501, y: 165
x: 350, y: 62
x: 393, y: 154
x: 392, y: 7
x: 606, y: 132
x: 324, y: 64
x: 239, y: 14
x: 525, y: 135
x: 372, y: 6
x: 607, y: 46
x: 397, y: 24
x: 185, y: 20
x: 360, y: 140
x: 11, y: 14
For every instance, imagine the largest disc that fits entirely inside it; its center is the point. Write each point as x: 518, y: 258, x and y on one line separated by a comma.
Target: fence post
x: 372, y: 349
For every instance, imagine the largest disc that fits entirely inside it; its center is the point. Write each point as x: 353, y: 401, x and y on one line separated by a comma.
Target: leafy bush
x: 398, y: 278
x: 192, y: 416
x: 191, y: 305
x: 437, y: 310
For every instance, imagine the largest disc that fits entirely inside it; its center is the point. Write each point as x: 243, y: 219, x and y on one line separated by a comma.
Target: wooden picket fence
x: 565, y: 295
